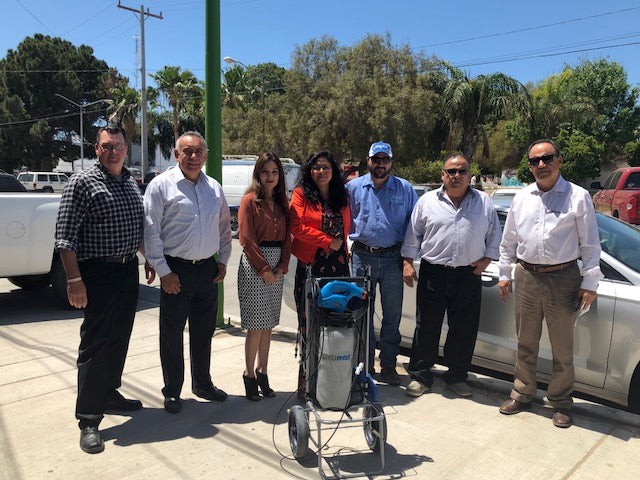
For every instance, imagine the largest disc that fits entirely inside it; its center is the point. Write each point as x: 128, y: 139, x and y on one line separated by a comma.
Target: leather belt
x: 532, y: 267
x: 367, y: 248
x: 448, y: 267
x: 113, y: 259
x: 190, y: 262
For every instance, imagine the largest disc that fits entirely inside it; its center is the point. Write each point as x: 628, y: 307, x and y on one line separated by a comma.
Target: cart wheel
x: 375, y: 431
x: 298, y: 431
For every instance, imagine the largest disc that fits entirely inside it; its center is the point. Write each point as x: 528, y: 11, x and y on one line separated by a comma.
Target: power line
x: 526, y: 29
x: 34, y: 17
x: 86, y: 21
x: 544, y: 55
x: 52, y: 117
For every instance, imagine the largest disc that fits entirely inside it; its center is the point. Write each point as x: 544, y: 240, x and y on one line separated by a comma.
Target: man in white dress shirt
x: 456, y: 232
x: 550, y: 225
x: 187, y: 221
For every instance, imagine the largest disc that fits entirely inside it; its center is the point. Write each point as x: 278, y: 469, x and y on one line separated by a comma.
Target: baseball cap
x: 380, y: 147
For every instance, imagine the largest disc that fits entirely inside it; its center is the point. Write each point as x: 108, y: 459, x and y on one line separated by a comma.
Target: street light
x: 231, y: 60
x: 81, y: 106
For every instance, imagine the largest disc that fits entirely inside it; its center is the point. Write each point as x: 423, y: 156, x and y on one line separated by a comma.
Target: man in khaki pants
x: 550, y: 225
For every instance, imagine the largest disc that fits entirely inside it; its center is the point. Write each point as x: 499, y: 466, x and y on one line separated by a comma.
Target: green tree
x: 40, y: 124
x: 176, y: 86
x: 470, y: 103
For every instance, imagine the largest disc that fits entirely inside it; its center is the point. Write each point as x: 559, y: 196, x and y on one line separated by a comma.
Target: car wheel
x: 31, y: 282
x: 634, y: 391
x: 235, y: 228
x: 59, y: 283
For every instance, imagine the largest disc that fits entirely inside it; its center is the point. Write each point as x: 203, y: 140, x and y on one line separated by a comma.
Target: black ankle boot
x: 263, y: 382
x: 251, y: 388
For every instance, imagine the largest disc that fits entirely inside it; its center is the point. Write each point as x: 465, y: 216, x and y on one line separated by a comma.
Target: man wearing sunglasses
x: 550, y: 225
x: 456, y: 233
x: 98, y: 232
x: 381, y: 205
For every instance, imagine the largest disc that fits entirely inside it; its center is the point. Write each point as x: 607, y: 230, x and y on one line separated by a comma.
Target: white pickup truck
x: 27, y: 257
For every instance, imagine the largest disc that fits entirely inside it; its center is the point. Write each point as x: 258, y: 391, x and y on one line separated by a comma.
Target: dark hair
x: 280, y: 190
x: 556, y: 149
x: 337, y: 193
x: 112, y: 130
x: 456, y: 154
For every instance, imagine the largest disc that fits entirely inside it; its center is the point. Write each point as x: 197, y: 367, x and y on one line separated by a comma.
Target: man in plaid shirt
x: 98, y: 232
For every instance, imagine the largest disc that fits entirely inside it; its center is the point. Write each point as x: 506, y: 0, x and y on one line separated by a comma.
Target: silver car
x: 606, y: 339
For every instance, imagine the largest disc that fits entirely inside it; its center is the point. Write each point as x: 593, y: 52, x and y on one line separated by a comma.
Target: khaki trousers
x: 550, y: 296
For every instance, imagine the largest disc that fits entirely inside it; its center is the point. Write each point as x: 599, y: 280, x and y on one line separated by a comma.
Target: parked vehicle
x: 27, y: 227
x: 620, y: 196
x: 421, y: 189
x: 503, y: 196
x: 46, y: 182
x: 147, y: 178
x: 9, y: 183
x: 236, y: 179
x: 606, y: 339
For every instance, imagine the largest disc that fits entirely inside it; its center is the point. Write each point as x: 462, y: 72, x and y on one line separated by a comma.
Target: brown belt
x: 532, y: 267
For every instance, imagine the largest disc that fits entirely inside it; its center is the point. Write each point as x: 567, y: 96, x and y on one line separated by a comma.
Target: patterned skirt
x: 259, y: 303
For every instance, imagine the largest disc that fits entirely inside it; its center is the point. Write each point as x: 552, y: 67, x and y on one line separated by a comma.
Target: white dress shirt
x: 442, y: 234
x: 185, y: 219
x: 548, y: 228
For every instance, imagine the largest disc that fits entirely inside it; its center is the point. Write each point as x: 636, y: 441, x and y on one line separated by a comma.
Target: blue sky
x: 475, y: 35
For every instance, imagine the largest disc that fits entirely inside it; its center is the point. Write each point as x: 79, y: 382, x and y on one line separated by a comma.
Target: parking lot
x: 435, y: 436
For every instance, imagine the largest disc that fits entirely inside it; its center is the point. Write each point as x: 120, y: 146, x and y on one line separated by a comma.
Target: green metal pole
x: 213, y: 107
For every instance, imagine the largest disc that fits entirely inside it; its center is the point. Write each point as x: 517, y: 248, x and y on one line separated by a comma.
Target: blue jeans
x: 386, y: 271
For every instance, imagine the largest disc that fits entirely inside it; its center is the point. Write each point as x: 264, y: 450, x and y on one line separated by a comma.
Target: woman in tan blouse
x: 266, y: 242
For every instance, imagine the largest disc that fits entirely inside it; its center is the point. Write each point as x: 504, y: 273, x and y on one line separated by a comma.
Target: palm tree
x: 124, y: 110
x: 176, y: 86
x: 470, y: 103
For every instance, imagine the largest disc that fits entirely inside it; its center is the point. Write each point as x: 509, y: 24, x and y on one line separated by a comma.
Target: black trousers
x: 112, y: 292
x: 197, y: 301
x: 456, y: 291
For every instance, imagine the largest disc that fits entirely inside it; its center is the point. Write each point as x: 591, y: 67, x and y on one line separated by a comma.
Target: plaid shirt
x: 100, y: 215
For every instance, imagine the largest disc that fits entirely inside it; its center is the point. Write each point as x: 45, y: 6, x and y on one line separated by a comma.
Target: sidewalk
x: 436, y: 436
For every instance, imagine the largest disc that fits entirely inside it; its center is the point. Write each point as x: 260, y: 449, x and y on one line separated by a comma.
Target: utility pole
x: 144, y: 146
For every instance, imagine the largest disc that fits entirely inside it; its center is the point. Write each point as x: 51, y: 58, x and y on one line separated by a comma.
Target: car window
x: 620, y: 240
x: 633, y: 180
x: 64, y: 178
x: 43, y: 177
x: 613, y: 180
x: 25, y: 177
x: 8, y: 184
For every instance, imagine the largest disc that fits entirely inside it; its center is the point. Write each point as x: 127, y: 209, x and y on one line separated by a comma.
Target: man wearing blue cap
x: 381, y: 206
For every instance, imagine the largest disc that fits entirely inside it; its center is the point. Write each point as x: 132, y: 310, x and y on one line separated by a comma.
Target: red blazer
x: 306, y: 227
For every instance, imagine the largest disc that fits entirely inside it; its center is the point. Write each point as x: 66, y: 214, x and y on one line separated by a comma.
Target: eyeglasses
x: 547, y: 159
x: 108, y: 147
x: 384, y: 160
x: 187, y: 152
x: 320, y: 168
x: 452, y: 171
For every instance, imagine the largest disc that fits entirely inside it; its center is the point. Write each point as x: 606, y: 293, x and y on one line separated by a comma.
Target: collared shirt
x: 380, y: 216
x: 185, y: 219
x: 258, y: 223
x: 100, y: 214
x: 442, y: 234
x: 548, y: 228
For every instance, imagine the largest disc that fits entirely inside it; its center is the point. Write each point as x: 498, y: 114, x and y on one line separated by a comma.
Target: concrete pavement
x: 436, y: 436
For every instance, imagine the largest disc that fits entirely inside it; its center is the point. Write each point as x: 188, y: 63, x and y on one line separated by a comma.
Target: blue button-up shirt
x: 442, y: 234
x: 380, y: 216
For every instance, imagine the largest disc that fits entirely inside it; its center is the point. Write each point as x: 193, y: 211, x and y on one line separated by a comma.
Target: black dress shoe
x: 172, y: 404
x: 210, y: 393
x: 90, y: 440
x: 117, y: 403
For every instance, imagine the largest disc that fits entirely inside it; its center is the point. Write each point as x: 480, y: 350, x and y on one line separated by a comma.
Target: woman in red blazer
x: 319, y: 216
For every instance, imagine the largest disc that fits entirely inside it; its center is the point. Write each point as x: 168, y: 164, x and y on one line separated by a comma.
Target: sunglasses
x: 384, y: 160
x: 547, y: 159
x: 452, y: 171
x: 320, y: 168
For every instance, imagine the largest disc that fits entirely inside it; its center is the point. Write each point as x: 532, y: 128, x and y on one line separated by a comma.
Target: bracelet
x: 74, y: 280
